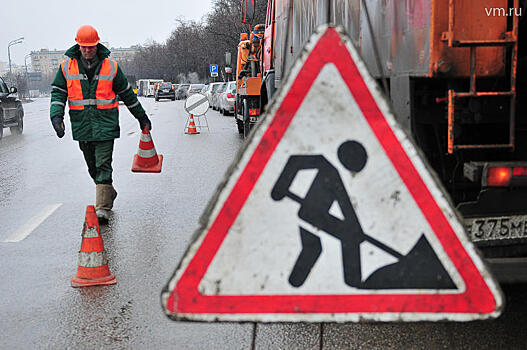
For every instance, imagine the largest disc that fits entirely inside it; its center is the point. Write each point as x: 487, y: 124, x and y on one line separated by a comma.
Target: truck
x: 248, y: 80
x: 145, y: 87
x: 450, y: 71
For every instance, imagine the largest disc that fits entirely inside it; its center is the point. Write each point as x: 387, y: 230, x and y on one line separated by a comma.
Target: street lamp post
x: 25, y: 61
x: 27, y: 78
x: 228, y: 65
x: 11, y: 43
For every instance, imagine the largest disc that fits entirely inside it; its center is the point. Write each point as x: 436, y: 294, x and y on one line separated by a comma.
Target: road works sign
x: 330, y: 214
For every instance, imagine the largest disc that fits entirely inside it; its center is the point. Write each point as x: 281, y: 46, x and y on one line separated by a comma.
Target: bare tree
x: 193, y: 46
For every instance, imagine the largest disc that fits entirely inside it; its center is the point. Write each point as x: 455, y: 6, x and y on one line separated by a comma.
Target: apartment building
x: 47, y: 61
x: 124, y: 54
x: 15, y: 68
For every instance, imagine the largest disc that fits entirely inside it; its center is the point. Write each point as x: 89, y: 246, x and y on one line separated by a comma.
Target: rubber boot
x: 105, y: 196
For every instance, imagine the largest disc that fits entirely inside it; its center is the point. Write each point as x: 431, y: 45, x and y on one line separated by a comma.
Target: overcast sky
x: 123, y: 23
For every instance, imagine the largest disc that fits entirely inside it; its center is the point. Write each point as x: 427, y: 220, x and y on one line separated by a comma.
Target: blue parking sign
x: 214, y: 68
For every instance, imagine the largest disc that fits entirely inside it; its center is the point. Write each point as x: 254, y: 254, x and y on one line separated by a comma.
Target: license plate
x: 497, y: 228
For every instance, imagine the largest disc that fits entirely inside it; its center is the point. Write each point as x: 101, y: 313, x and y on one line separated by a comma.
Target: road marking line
x: 26, y: 229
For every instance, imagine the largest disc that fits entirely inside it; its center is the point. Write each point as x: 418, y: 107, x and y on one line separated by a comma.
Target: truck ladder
x: 510, y: 39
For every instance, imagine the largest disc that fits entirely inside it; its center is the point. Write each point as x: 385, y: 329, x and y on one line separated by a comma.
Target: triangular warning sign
x: 330, y: 214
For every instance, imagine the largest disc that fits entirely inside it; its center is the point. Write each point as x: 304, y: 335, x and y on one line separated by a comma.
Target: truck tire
x: 239, y: 123
x: 246, y: 124
x: 17, y: 130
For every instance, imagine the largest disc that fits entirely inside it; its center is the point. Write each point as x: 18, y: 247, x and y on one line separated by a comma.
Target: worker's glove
x: 58, y: 125
x: 144, y: 122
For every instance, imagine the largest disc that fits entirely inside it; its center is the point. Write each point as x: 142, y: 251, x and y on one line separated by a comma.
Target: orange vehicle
x: 248, y: 80
x: 449, y: 68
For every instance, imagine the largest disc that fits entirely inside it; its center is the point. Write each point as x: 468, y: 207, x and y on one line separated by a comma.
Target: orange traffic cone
x: 93, y: 267
x: 147, y: 160
x: 191, y: 128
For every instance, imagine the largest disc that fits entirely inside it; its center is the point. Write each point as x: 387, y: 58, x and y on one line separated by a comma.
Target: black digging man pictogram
x: 420, y: 268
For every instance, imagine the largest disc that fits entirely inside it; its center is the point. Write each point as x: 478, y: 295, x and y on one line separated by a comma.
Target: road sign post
x: 331, y: 215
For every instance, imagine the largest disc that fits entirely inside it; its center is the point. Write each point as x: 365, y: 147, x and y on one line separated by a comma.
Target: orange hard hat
x: 87, y: 36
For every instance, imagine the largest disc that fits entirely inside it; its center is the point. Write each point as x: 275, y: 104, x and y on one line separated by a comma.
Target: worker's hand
x: 58, y: 125
x: 144, y: 122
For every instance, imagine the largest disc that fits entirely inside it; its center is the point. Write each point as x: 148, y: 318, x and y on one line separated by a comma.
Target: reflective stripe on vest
x: 70, y: 69
x: 104, y: 95
x: 105, y: 85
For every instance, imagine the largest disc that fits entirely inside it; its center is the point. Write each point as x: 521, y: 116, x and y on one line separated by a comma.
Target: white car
x: 227, y: 98
x: 194, y: 89
x: 216, y: 96
x: 213, y: 87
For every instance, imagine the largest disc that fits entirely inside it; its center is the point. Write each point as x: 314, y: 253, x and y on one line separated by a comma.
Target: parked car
x: 206, y: 90
x: 217, y: 96
x: 227, y: 99
x: 181, y: 92
x: 213, y: 87
x: 194, y: 89
x: 164, y: 90
x: 11, y: 110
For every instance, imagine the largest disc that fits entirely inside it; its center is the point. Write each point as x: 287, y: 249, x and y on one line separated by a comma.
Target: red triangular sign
x: 330, y: 214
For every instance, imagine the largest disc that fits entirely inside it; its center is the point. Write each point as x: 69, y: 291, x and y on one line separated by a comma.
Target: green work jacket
x: 91, y: 123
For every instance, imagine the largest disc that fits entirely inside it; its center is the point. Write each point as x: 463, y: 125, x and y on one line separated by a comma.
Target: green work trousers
x: 98, y: 156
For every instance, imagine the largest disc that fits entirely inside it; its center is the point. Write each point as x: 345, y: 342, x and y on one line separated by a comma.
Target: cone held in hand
x: 93, y: 267
x: 191, y: 128
x: 147, y: 160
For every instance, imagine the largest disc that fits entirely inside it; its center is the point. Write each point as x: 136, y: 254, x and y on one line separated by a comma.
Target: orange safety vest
x: 104, y: 95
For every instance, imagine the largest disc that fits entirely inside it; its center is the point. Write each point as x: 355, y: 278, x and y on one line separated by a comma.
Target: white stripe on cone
x: 93, y: 259
x: 146, y: 153
x: 146, y: 137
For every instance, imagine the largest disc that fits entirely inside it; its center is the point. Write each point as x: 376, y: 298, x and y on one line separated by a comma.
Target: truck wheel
x: 246, y: 127
x: 17, y: 130
x: 239, y: 123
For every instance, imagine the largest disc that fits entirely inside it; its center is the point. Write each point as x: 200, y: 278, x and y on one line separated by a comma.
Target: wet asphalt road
x: 154, y: 218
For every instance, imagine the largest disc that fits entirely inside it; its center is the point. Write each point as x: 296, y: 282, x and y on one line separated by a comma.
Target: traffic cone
x: 93, y: 267
x: 147, y: 160
x: 191, y: 128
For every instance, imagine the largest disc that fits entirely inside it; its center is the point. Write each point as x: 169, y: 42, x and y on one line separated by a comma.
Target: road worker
x: 243, y: 54
x: 256, y: 38
x: 252, y: 48
x: 90, y: 82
